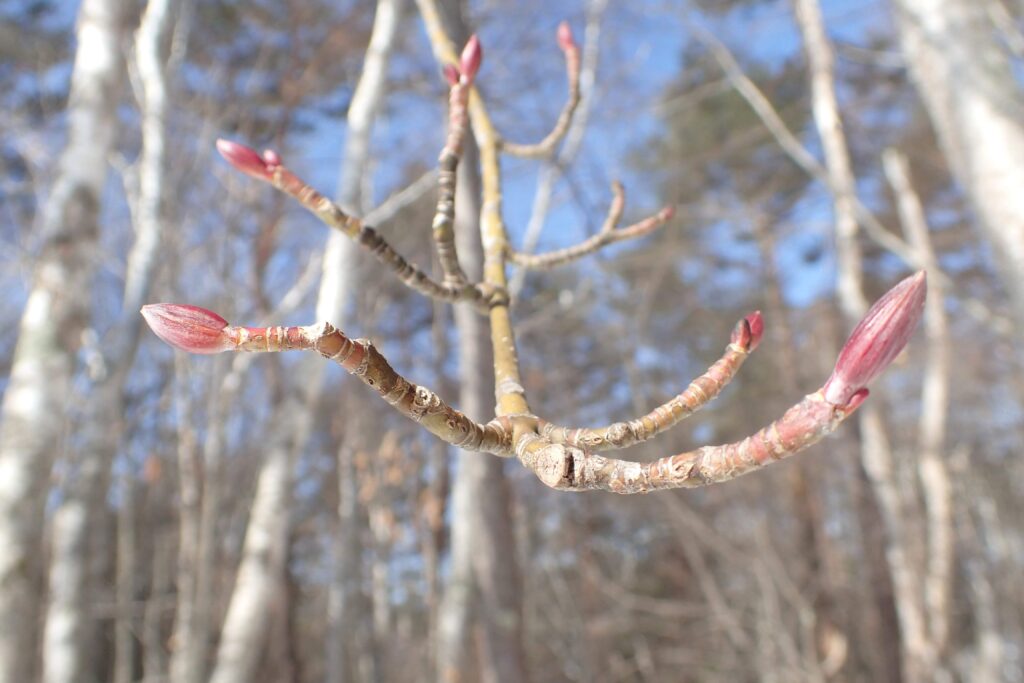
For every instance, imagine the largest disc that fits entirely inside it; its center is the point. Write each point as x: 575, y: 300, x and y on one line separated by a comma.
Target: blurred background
x: 179, y: 518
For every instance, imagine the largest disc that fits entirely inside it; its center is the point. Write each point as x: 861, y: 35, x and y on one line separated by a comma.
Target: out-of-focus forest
x: 265, y: 517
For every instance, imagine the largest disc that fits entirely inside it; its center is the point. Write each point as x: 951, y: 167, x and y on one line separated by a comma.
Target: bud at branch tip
x: 469, y: 62
x: 877, y: 339
x: 189, y: 328
x: 564, y: 35
x: 247, y: 160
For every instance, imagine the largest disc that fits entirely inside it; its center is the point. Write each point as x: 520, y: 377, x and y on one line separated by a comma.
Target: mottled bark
x: 976, y: 104
x: 34, y: 413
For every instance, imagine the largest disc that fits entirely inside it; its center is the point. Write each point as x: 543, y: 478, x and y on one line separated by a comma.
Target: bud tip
x: 877, y: 339
x: 469, y: 62
x: 245, y: 159
x: 189, y: 328
x: 565, y: 40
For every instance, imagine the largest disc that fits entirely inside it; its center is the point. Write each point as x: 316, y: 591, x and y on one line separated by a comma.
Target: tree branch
x: 745, y: 338
x: 608, y: 234
x: 269, y: 168
x: 546, y: 147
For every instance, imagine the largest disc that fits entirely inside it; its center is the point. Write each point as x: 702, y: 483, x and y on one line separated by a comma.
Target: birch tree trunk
x: 70, y: 633
x: 260, y: 581
x: 32, y: 421
x: 335, y: 292
x: 484, y: 581
x: 918, y: 655
x: 976, y: 106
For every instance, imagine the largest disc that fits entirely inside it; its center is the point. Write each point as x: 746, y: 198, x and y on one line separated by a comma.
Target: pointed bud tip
x: 472, y: 56
x: 189, y: 328
x: 877, y: 339
x: 564, y: 35
x: 245, y: 159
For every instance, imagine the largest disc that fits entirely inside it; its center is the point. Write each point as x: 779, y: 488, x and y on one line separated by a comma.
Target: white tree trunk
x: 918, y: 653
x: 70, y: 635
x: 32, y: 421
x: 976, y: 105
x: 335, y: 292
x: 260, y: 584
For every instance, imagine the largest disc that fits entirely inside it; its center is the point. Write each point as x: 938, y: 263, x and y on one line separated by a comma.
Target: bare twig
x: 546, y: 147
x: 745, y: 338
x: 609, y: 234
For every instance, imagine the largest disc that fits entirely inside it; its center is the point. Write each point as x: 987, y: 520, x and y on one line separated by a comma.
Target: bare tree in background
x: 965, y: 79
x: 35, y: 407
x: 71, y: 628
x: 260, y: 590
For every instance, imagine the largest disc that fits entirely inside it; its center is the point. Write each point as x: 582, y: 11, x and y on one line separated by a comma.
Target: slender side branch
x: 745, y: 338
x: 269, y: 168
x: 460, y: 82
x: 608, y: 234
x: 546, y: 147
x: 198, y: 330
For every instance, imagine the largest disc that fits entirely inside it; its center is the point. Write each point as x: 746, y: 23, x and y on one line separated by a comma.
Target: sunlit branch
x: 745, y: 338
x: 546, y: 147
x: 609, y: 234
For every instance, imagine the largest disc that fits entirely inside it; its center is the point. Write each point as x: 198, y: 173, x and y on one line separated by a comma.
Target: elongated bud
x: 247, y: 160
x: 877, y: 339
x: 189, y: 328
x: 565, y: 40
x: 472, y: 55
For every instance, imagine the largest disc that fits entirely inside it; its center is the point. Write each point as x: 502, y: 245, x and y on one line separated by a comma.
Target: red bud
x: 668, y: 213
x: 451, y: 75
x: 246, y: 159
x: 189, y: 328
x: 877, y: 339
x: 564, y: 34
x: 472, y: 55
x: 756, y: 323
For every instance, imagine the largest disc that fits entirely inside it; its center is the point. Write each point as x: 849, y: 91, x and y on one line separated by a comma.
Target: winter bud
x: 877, y: 339
x: 248, y: 160
x: 748, y: 332
x: 189, y: 328
x: 469, y: 63
x: 565, y: 40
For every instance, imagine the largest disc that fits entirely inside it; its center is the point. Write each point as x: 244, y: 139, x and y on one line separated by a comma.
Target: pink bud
x: 189, y: 328
x: 668, y: 213
x: 756, y: 323
x: 272, y: 159
x: 877, y: 339
x: 472, y: 55
x: 748, y: 332
x: 245, y: 159
x: 564, y: 34
x: 451, y: 75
